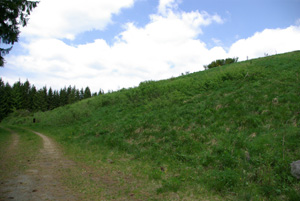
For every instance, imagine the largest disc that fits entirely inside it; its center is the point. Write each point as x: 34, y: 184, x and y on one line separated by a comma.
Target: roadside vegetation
x: 230, y: 131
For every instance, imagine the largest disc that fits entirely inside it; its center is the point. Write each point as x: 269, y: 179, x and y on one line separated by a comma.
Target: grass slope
x: 232, y: 131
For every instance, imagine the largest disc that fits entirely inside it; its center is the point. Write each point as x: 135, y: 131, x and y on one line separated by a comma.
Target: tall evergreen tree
x: 69, y: 90
x: 25, y: 95
x: 63, y: 96
x: 72, y: 96
x: 3, y: 100
x: 33, y: 99
x: 6, y: 104
x: 77, y: 95
x: 42, y: 102
x: 87, y: 93
x: 81, y: 94
x: 50, y: 99
x: 56, y: 99
x: 17, y: 95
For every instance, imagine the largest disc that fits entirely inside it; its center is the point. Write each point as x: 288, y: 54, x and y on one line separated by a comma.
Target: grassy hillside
x: 230, y: 131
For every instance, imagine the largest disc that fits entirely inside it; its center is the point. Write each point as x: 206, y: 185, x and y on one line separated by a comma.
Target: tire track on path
x: 41, y: 181
x: 15, y: 141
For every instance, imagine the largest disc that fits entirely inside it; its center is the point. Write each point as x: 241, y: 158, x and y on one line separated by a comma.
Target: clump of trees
x: 24, y: 96
x: 221, y: 62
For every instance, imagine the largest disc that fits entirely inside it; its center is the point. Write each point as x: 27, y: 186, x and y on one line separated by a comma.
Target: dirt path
x: 15, y: 142
x: 41, y: 181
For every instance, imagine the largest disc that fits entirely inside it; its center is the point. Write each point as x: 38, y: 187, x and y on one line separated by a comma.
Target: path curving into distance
x: 41, y: 180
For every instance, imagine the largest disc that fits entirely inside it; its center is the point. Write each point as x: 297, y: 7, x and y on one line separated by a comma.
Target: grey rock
x: 295, y: 169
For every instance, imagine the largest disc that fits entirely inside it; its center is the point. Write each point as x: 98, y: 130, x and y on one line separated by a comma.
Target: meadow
x: 228, y: 132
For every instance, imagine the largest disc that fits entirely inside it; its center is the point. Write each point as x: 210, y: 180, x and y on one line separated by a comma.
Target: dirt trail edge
x: 41, y: 180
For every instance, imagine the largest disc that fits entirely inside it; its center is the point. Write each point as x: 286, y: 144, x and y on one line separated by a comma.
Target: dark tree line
x: 24, y: 96
x: 221, y: 62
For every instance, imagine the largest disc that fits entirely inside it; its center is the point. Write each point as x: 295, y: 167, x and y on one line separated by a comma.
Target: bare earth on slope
x: 41, y: 180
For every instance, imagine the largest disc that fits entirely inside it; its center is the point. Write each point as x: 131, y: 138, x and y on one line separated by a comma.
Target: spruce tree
x: 63, y: 97
x: 50, y: 99
x: 42, y: 99
x: 56, y: 99
x: 25, y: 94
x: 17, y: 97
x: 81, y: 94
x: 33, y: 99
x: 77, y: 95
x: 87, y: 93
x: 2, y: 96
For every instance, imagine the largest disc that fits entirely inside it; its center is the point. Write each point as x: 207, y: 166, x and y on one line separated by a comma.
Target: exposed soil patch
x: 41, y: 181
x: 15, y: 142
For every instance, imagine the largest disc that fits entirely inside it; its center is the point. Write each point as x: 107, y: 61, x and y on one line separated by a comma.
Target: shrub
x: 221, y: 62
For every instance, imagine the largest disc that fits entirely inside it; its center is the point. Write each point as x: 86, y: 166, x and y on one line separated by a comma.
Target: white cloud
x: 66, y: 18
x: 269, y: 41
x: 167, y: 5
x: 167, y: 46
x: 217, y: 42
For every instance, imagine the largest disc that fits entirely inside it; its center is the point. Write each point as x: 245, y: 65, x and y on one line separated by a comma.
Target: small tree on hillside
x: 221, y: 62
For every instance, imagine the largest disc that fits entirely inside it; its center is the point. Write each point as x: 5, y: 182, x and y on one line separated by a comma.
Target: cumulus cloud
x: 217, y: 42
x: 269, y: 41
x: 166, y: 6
x: 66, y: 18
x: 167, y: 46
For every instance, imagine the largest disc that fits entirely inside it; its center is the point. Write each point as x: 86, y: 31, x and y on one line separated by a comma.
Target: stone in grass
x: 295, y: 169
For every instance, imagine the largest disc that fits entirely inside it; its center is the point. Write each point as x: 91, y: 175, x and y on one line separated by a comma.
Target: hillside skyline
x: 114, y: 45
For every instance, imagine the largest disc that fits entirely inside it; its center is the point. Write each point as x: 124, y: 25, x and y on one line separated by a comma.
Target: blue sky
x: 114, y: 44
x: 243, y: 18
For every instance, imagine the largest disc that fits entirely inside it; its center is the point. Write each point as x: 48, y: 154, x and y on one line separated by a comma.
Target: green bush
x: 221, y: 62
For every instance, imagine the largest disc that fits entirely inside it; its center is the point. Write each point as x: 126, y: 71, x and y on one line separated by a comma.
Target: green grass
x: 226, y: 132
